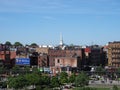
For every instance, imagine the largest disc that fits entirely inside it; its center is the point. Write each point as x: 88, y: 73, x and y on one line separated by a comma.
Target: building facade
x: 7, y: 56
x: 42, y: 50
x: 97, y: 56
x: 43, y: 60
x: 53, y: 53
x: 67, y: 64
x: 114, y: 54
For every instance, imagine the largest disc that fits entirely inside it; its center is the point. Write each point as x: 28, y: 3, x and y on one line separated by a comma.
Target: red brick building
x: 7, y: 57
x: 43, y: 60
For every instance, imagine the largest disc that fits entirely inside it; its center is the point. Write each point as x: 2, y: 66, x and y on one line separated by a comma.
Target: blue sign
x: 22, y: 61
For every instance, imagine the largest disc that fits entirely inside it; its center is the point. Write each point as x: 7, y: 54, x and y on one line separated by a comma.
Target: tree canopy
x: 55, y: 82
x: 2, y: 70
x: 8, y: 43
x: 63, y: 77
x: 81, y: 80
x: 34, y: 45
x: 100, y: 70
x: 16, y: 69
x: 18, y: 44
x: 21, y: 81
x: 72, y: 78
x: 17, y: 82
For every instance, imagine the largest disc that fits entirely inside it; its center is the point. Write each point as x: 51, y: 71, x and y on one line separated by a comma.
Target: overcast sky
x: 81, y: 22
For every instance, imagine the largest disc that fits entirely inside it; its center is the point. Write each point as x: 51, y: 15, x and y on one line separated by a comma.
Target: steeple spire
x: 61, y: 39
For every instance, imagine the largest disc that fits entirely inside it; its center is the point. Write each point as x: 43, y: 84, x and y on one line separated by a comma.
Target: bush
x: 115, y: 87
x: 47, y: 88
x: 38, y: 88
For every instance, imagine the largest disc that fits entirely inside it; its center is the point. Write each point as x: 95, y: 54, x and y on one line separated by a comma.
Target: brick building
x: 7, y: 56
x: 66, y: 61
x: 68, y: 64
x: 53, y: 53
x: 72, y: 58
x: 87, y: 52
x: 43, y: 60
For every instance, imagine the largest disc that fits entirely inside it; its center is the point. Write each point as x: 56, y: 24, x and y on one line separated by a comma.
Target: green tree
x: 118, y: 70
x: 8, y: 43
x: 18, y: 44
x: 38, y: 87
x: 26, y: 69
x: 22, y: 81
x: 63, y: 77
x: 72, y: 78
x: 100, y: 70
x: 16, y: 70
x: 55, y: 82
x: 35, y: 70
x: 45, y: 80
x: 81, y: 80
x: 2, y: 70
x: 32, y: 79
x: 18, y: 82
x: 34, y: 45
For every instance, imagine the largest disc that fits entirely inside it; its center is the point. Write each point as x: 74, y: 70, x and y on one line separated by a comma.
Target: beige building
x: 67, y: 64
x: 42, y: 50
x: 66, y: 61
x: 114, y: 54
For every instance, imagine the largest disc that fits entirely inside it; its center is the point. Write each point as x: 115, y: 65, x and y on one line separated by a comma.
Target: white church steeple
x: 61, y: 40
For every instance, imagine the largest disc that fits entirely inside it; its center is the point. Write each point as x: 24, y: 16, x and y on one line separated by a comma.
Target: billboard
x: 22, y: 61
x: 46, y: 69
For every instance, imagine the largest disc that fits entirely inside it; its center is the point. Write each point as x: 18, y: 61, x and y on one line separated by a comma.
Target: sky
x: 81, y: 22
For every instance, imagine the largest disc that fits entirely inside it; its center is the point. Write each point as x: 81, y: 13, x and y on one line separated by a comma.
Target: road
x: 107, y: 83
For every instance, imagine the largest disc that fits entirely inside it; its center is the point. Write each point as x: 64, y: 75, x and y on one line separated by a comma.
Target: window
x: 58, y: 61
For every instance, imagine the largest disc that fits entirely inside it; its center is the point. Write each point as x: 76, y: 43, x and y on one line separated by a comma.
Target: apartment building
x: 114, y: 54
